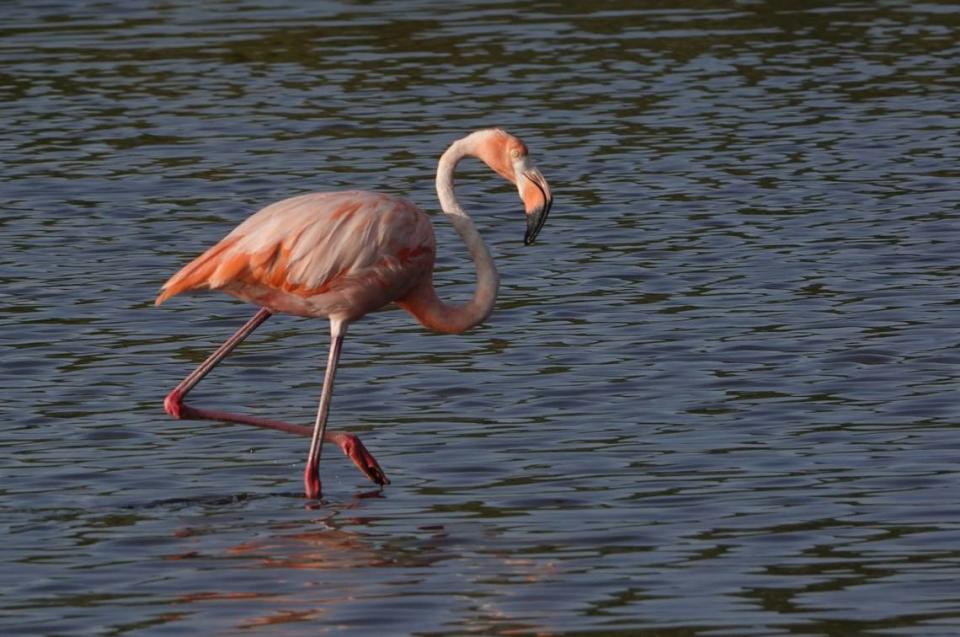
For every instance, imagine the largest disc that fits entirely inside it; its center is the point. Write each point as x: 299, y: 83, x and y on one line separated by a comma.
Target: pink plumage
x: 339, y: 254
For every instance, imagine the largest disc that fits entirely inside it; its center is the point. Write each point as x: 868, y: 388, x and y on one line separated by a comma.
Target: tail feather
x: 197, y: 274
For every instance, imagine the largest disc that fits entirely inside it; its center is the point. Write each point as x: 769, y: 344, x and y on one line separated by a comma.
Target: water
x: 718, y: 397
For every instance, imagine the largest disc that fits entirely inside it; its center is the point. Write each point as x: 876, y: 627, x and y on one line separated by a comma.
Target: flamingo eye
x: 515, y: 153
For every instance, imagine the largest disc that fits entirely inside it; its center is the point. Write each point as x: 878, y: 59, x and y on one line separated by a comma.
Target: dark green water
x: 718, y: 397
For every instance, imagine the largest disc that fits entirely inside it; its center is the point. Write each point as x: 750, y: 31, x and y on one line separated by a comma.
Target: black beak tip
x: 533, y: 229
x: 535, y: 221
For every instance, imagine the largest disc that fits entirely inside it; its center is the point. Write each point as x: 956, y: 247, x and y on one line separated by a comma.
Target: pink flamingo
x: 343, y: 254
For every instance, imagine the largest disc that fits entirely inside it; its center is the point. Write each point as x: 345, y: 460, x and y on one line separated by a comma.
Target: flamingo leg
x: 311, y: 476
x: 173, y: 404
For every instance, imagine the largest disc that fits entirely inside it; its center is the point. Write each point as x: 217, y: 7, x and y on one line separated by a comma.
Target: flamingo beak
x: 537, y: 201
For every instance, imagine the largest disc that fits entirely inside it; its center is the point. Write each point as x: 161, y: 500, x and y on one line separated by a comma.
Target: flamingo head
x: 509, y: 158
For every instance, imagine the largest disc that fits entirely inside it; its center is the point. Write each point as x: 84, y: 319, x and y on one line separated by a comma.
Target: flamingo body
x: 338, y: 255
x: 343, y: 254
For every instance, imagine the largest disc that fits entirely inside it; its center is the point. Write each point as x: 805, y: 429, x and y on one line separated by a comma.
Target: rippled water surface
x: 718, y: 397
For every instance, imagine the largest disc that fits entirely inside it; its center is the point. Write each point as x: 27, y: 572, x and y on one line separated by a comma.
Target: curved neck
x: 423, y: 302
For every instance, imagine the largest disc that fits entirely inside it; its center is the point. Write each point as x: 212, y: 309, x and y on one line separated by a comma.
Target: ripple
x: 718, y: 397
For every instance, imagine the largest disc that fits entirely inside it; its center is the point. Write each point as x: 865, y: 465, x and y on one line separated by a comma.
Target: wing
x: 313, y: 243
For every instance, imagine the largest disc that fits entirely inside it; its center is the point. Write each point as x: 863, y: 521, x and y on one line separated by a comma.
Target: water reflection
x: 339, y: 556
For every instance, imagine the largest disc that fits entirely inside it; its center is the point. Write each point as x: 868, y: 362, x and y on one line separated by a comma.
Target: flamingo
x: 340, y: 255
